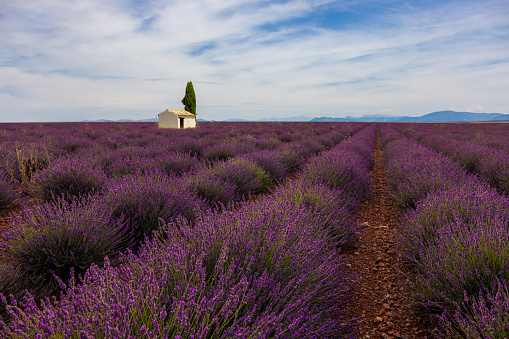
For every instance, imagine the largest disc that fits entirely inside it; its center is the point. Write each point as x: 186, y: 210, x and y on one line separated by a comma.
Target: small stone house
x: 173, y: 118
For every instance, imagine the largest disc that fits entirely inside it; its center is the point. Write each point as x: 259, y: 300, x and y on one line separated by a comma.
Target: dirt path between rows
x: 380, y: 300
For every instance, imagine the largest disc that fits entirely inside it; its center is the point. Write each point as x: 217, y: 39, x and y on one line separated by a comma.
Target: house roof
x: 179, y: 112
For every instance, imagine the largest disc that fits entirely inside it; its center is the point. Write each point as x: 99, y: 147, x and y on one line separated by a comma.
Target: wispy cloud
x: 250, y: 58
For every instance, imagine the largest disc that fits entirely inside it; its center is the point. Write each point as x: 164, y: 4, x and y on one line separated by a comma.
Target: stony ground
x: 381, y: 300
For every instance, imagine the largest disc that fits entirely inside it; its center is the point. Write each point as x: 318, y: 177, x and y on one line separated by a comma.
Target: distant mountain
x: 236, y: 120
x: 451, y: 116
x: 505, y: 117
x: 441, y: 116
x: 364, y: 118
x: 300, y: 118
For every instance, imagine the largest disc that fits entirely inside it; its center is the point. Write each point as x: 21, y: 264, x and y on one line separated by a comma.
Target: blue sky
x: 76, y: 60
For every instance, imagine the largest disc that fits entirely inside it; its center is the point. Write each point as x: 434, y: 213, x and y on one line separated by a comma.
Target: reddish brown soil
x: 381, y: 295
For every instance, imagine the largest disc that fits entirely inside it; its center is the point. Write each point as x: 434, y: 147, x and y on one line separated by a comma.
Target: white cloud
x: 88, y: 56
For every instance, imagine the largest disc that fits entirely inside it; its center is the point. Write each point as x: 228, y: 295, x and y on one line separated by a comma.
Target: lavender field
x: 236, y: 230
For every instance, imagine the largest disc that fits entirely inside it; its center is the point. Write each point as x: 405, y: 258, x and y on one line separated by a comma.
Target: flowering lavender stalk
x: 485, y: 316
x: 265, y: 270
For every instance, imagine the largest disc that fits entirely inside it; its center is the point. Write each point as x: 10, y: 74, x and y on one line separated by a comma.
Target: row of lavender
x: 29, y: 148
x: 268, y: 268
x: 481, y: 148
x: 455, y: 239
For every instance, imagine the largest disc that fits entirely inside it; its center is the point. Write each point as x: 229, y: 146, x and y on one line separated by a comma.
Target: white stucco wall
x: 189, y: 122
x: 168, y: 120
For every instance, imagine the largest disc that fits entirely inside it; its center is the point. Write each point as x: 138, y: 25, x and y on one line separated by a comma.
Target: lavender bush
x: 132, y: 165
x: 226, y: 149
x: 216, y: 191
x: 7, y: 190
x: 416, y: 170
x: 340, y: 169
x: 176, y: 163
x: 269, y: 162
x: 471, y: 201
x: 246, y: 174
x: 291, y: 156
x: 467, y: 258
x: 330, y: 206
x: 57, y: 236
x: 145, y: 200
x: 69, y: 178
x: 191, y: 146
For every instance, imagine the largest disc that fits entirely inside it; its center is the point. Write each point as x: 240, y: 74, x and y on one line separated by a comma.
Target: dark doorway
x: 181, y: 122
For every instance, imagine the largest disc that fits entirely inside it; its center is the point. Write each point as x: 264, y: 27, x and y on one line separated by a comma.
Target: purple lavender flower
x: 216, y: 191
x: 244, y: 173
x: 331, y: 206
x: 60, y: 235
x: 146, y: 200
x: 268, y: 161
x: 340, y: 169
x: 69, y: 178
x: 263, y: 270
x: 177, y: 163
x: 478, y: 317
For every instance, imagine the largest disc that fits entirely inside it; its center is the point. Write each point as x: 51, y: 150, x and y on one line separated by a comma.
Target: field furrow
x: 380, y: 301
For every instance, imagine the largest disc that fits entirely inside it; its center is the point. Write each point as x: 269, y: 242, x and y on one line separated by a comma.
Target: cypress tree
x: 189, y: 99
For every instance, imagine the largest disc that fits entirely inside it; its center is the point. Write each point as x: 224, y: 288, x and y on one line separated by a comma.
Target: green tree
x: 189, y: 99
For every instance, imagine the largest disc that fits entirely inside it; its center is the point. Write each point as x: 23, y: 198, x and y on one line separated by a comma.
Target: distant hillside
x: 441, y: 116
x: 451, y: 116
